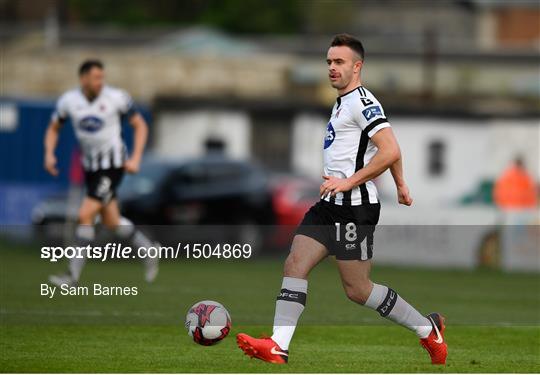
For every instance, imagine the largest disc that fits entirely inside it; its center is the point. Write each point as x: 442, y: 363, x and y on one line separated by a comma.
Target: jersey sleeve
x: 125, y: 103
x: 371, y: 117
x: 61, y: 112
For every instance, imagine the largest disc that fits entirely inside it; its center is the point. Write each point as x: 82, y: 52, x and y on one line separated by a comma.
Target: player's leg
x: 84, y: 235
x: 305, y: 254
x: 99, y: 190
x: 126, y: 230
x: 360, y: 289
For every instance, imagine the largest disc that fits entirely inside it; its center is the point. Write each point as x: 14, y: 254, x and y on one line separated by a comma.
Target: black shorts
x: 102, y: 184
x: 345, y: 231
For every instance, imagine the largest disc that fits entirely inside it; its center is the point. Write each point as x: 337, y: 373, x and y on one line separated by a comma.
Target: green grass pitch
x: 492, y: 317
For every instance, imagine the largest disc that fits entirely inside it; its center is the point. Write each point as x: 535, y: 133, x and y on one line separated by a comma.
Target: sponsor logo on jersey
x: 372, y: 112
x: 330, y: 135
x: 350, y: 246
x: 91, y: 124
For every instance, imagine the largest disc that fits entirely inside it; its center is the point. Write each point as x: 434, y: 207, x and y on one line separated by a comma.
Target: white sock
x: 289, y: 306
x: 391, y: 306
x: 85, y: 235
x: 126, y: 230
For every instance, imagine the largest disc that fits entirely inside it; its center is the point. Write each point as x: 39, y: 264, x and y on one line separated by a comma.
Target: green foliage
x: 238, y: 16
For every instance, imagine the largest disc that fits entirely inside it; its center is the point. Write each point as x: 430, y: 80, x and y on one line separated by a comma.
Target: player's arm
x: 402, y: 189
x: 387, y: 154
x: 50, y: 142
x: 139, y: 142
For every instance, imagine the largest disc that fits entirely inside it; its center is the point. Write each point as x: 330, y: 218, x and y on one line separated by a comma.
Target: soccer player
x: 95, y: 110
x: 359, y: 146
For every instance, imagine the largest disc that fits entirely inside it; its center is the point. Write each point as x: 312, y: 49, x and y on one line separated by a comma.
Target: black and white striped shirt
x: 97, y: 125
x: 356, y: 117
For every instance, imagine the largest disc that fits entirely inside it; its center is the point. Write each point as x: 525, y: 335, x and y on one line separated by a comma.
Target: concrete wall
x: 183, y: 134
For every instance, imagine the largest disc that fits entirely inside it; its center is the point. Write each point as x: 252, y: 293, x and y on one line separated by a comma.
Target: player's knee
x: 111, y: 223
x: 85, y: 217
x: 293, y: 267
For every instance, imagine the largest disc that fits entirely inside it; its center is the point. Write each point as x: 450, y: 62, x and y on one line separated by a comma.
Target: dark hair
x: 87, y: 65
x: 349, y: 41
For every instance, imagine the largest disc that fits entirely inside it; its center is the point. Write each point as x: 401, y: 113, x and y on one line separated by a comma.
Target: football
x: 208, y: 322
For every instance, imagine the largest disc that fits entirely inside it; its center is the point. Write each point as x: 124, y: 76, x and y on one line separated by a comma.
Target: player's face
x: 343, y: 66
x: 93, y: 81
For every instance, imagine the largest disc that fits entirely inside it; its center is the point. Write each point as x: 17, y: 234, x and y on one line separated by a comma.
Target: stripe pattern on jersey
x: 365, y: 108
x: 114, y: 157
x: 362, y: 147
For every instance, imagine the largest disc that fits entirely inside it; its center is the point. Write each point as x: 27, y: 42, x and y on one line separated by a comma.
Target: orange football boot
x: 264, y: 349
x: 434, y: 343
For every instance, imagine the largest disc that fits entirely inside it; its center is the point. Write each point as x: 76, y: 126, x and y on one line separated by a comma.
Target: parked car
x: 210, y: 190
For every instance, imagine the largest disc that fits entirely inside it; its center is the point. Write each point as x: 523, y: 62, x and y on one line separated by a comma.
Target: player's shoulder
x: 367, y: 97
x: 113, y: 91
x: 367, y: 108
x: 362, y: 98
x: 116, y: 94
x: 68, y: 99
x: 69, y: 95
x: 368, y: 101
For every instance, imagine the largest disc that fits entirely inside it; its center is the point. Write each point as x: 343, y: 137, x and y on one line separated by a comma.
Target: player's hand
x: 333, y: 185
x: 50, y: 165
x: 132, y: 165
x: 403, y: 195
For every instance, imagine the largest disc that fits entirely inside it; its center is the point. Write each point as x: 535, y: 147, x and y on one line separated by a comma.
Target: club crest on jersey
x: 91, y: 124
x: 330, y: 135
x: 372, y: 112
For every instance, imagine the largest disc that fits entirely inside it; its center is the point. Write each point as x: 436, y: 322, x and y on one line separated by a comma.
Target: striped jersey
x: 356, y: 117
x: 97, y: 125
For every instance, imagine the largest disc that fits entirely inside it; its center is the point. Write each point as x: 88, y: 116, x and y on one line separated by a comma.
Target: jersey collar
x: 94, y: 99
x: 348, y: 92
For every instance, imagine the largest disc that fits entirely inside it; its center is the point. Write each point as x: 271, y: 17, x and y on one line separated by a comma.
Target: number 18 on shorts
x: 346, y: 231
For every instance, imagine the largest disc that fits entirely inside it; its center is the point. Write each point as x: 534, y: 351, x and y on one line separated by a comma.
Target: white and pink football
x: 208, y: 322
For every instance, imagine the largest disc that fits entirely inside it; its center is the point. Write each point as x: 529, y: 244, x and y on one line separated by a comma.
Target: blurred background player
x: 359, y: 146
x: 95, y: 110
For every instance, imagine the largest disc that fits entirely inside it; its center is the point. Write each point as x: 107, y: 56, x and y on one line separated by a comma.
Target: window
x: 436, y: 158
